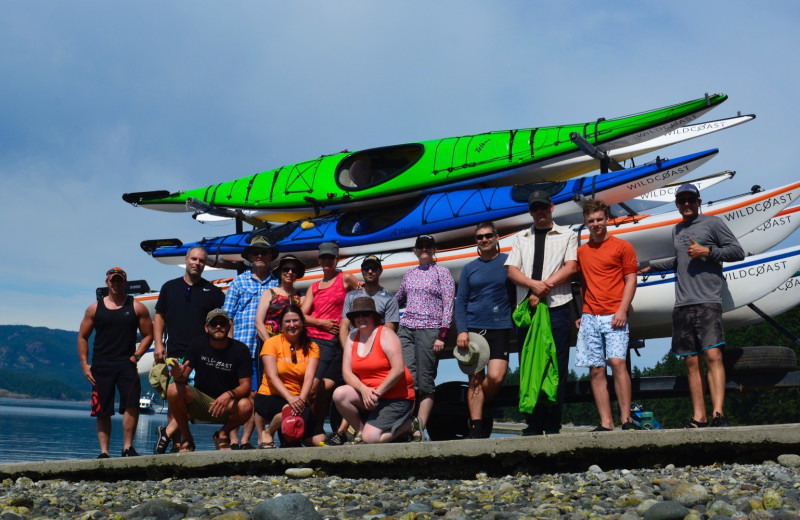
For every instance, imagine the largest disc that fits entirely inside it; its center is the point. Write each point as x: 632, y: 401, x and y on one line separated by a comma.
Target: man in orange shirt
x: 608, y: 269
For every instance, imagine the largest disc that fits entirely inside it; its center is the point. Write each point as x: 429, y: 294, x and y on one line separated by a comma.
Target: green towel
x: 538, y: 367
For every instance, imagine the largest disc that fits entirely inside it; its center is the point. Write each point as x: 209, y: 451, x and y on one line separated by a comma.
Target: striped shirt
x: 241, y: 304
x: 560, y: 246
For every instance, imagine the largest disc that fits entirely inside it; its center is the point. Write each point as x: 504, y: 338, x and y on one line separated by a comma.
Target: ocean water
x: 37, y: 430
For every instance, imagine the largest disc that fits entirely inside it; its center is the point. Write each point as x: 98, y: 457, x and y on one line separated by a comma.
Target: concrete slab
x: 567, y: 452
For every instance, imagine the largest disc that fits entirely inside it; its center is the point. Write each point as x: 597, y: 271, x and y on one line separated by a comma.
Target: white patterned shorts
x: 598, y: 341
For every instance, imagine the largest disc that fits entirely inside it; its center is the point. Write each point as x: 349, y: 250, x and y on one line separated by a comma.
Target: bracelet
x: 233, y: 394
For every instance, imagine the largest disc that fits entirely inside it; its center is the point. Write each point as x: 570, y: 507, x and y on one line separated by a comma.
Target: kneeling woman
x: 290, y: 360
x: 379, y: 395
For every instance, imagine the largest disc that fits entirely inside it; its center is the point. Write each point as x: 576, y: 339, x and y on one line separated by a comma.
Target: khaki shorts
x: 198, y: 408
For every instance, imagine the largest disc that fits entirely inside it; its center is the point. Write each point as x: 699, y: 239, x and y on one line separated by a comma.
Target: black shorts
x: 125, y: 377
x: 498, y: 340
x: 330, y: 359
x: 268, y: 406
x: 696, y: 328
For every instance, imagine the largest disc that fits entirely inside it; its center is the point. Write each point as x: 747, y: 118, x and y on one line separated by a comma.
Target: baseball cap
x: 688, y: 187
x: 371, y: 259
x: 292, y: 426
x: 216, y: 313
x: 116, y: 271
x: 539, y: 196
x: 328, y: 248
x: 424, y: 239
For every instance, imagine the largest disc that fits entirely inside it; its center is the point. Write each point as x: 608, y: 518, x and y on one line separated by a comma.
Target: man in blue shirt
x: 483, y: 306
x: 241, y: 303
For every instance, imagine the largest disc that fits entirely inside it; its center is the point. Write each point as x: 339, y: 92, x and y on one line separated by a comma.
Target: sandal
x: 220, y: 443
x: 266, y: 445
x: 357, y: 439
x: 602, y: 428
x: 235, y: 446
x: 187, y: 446
x: 695, y: 424
x: 417, y: 427
x: 162, y: 443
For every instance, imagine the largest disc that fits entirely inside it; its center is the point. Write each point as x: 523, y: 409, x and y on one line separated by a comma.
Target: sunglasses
x: 369, y: 268
x: 361, y: 314
x: 290, y: 269
x: 259, y: 252
x: 539, y: 206
x: 218, y: 324
x: 294, y: 354
x: 485, y: 236
x: 685, y: 200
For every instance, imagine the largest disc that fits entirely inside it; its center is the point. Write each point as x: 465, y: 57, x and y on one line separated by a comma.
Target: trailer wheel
x: 759, y: 360
x: 450, y: 417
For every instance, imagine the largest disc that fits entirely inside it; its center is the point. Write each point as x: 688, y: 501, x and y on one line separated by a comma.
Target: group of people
x: 269, y: 359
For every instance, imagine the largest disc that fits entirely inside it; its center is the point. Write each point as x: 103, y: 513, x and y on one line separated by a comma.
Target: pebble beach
x: 754, y: 491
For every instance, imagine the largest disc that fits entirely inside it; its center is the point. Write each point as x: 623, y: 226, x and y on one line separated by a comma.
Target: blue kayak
x: 450, y: 216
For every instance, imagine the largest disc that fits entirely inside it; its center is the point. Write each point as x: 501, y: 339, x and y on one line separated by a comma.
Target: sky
x: 98, y: 99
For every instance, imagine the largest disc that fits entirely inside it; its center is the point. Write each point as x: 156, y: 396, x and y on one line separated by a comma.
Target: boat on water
x: 448, y: 216
x: 378, y: 176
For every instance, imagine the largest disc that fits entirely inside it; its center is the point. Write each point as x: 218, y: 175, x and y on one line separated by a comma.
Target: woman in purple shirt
x: 428, y: 292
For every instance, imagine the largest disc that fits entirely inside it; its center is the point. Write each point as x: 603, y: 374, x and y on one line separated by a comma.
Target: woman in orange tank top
x: 378, y: 397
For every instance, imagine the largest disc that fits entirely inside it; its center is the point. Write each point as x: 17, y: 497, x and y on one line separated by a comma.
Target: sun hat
x: 217, y: 313
x: 328, y: 248
x: 292, y: 426
x: 260, y: 242
x: 539, y: 196
x: 285, y: 259
x: 687, y: 187
x: 476, y: 357
x: 116, y: 271
x: 363, y: 304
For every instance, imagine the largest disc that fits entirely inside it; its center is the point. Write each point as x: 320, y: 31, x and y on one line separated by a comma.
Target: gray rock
x: 159, y: 510
x: 667, y: 510
x: 8, y: 515
x: 687, y: 493
x: 594, y: 468
x: 789, y: 460
x: 720, y: 508
x: 299, y: 472
x: 293, y: 506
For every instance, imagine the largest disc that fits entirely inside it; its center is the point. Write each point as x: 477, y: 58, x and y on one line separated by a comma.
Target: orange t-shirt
x: 292, y: 374
x: 604, y: 267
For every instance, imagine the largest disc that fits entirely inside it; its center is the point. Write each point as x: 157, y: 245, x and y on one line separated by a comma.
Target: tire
x: 449, y: 418
x: 759, y: 360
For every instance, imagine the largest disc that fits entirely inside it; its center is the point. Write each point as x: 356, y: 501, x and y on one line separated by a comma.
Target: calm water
x: 35, y: 430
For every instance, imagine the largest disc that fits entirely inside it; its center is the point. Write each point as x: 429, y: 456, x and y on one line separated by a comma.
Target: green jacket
x: 538, y: 367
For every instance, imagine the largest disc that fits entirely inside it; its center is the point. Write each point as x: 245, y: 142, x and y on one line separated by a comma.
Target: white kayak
x: 782, y: 299
x: 666, y: 195
x: 745, y: 282
x: 772, y: 232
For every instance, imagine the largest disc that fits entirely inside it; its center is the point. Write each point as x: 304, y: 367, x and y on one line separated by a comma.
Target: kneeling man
x: 221, y: 390
x: 608, y: 269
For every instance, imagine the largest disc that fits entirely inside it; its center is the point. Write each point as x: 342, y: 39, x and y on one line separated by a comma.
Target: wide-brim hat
x: 476, y: 357
x: 285, y: 260
x: 363, y: 304
x: 260, y: 242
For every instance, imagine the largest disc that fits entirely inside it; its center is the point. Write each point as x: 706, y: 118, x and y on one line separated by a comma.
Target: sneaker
x: 103, y: 455
x: 130, y: 452
x: 630, y: 425
x: 336, y: 439
x: 719, y: 421
x: 695, y: 424
x: 530, y: 431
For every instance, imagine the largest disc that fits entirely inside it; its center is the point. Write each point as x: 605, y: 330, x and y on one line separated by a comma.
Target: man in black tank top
x: 115, y: 320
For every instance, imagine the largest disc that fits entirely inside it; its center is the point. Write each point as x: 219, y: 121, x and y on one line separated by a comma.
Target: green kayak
x: 381, y: 175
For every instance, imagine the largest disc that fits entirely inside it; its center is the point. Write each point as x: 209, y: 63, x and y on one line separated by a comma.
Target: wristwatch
x: 137, y: 357
x: 709, y: 251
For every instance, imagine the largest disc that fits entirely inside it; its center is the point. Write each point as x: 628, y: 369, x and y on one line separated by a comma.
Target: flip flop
x: 187, y: 446
x: 417, y: 426
x: 220, y: 443
x: 266, y: 445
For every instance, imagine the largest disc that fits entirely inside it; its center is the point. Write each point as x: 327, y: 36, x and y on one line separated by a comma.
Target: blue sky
x: 98, y: 99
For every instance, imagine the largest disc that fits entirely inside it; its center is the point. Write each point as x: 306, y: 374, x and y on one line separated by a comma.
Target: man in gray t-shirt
x: 385, y: 302
x: 702, y: 243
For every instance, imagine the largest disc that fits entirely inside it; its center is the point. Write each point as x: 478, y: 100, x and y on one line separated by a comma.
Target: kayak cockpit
x: 369, y: 168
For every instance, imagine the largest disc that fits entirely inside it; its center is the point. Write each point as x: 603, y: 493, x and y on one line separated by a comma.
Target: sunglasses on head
x: 485, y: 236
x: 685, y: 200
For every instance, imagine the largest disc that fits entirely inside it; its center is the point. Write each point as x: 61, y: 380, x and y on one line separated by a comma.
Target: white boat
x: 782, y: 299
x: 772, y: 232
x: 746, y: 282
x: 666, y: 195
